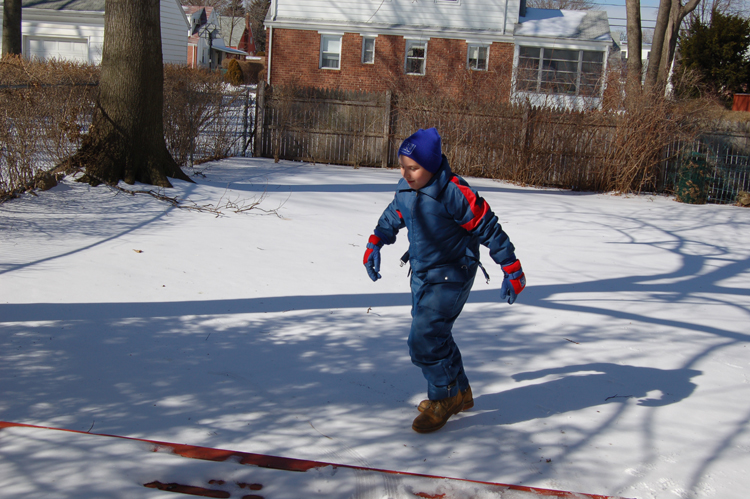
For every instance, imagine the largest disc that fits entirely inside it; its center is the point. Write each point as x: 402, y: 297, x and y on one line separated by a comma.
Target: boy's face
x: 416, y: 176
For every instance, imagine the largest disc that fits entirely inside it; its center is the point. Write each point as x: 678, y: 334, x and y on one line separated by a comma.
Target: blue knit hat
x: 423, y: 146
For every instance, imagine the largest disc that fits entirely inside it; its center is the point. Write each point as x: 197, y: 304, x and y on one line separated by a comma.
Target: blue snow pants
x: 438, y: 296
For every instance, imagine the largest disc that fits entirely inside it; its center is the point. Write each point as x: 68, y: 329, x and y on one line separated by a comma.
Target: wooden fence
x: 586, y: 151
x: 324, y: 126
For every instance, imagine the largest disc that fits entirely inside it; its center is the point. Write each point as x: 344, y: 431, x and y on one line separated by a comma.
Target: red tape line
x: 292, y: 464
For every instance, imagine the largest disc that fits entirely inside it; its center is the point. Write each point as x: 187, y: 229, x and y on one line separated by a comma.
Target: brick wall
x: 296, y: 53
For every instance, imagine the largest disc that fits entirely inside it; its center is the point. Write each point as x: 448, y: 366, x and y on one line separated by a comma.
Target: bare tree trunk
x: 126, y: 139
x: 12, y: 27
x: 635, y: 65
x: 677, y: 13
x: 654, y: 58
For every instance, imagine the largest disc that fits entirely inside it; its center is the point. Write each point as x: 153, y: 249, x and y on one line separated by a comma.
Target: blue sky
x: 616, y: 12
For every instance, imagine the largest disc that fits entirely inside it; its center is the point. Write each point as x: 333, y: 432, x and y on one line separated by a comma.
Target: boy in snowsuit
x: 446, y: 221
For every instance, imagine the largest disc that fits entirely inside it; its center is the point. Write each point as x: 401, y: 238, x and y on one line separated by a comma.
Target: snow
x: 556, y: 23
x: 622, y: 369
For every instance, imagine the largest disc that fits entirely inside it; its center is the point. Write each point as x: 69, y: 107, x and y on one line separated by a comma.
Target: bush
x: 47, y: 109
x: 234, y: 73
x: 197, y: 105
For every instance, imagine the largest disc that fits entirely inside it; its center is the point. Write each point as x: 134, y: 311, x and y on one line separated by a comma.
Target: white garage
x: 74, y: 30
x: 71, y: 49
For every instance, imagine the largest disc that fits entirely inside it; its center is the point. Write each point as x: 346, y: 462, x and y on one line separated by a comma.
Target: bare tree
x: 12, y: 27
x: 235, y: 11
x: 257, y: 10
x: 668, y: 21
x: 635, y: 65
x: 126, y: 138
x: 706, y: 8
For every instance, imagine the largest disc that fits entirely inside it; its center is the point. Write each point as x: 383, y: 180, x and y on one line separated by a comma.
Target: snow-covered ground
x: 622, y: 369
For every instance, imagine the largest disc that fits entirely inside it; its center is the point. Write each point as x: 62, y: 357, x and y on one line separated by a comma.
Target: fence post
x: 386, y: 129
x: 260, y: 111
x: 245, y: 137
x: 526, y: 136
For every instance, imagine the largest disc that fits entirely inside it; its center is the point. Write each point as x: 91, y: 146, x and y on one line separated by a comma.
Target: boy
x: 446, y: 221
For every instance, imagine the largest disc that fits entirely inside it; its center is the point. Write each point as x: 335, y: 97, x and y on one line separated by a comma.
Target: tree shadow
x: 580, y: 387
x: 244, y: 372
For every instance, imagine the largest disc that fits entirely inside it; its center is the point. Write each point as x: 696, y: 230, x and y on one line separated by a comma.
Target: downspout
x: 505, y: 16
x: 274, y: 11
x: 270, y: 44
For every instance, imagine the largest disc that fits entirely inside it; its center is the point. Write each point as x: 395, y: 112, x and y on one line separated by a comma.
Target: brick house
x: 492, y: 48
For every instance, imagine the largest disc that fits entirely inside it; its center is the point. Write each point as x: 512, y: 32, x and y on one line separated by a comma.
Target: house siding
x: 43, y: 26
x: 295, y: 60
x: 88, y: 27
x: 174, y: 29
x: 463, y: 15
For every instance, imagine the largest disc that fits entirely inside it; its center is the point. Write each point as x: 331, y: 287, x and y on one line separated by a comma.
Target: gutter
x: 269, y: 44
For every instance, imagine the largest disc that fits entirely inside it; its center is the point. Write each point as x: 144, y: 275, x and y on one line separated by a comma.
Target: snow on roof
x: 78, y: 5
x: 590, y: 25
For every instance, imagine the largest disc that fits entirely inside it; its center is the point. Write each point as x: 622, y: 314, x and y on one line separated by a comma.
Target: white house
x: 74, y: 30
x: 560, y: 57
x: 206, y: 46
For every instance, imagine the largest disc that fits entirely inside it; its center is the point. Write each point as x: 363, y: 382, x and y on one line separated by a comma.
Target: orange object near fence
x: 741, y: 102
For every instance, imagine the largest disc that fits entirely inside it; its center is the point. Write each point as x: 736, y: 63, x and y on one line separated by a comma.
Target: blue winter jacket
x: 447, y: 220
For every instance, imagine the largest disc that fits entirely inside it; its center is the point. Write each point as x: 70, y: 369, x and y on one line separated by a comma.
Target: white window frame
x: 324, y: 39
x: 546, y: 65
x: 365, y: 39
x: 409, y: 45
x: 478, y: 47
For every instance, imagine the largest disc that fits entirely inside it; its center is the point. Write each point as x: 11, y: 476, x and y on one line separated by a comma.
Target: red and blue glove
x: 372, y: 257
x: 513, y: 282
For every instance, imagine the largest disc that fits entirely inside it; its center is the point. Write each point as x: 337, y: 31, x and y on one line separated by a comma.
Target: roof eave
x: 390, y: 29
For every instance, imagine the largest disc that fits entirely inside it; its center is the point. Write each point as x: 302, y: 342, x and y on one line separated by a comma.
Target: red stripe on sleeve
x: 474, y: 203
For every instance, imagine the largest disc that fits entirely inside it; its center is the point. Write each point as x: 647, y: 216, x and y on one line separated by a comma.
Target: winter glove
x: 372, y: 257
x: 513, y: 282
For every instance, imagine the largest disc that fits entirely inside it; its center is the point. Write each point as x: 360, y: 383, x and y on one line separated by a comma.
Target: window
x: 415, y: 57
x: 559, y: 71
x: 368, y: 50
x: 478, y: 57
x: 330, y: 51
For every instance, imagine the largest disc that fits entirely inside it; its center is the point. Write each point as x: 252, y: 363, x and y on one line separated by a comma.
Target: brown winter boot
x: 437, y: 413
x: 468, y: 401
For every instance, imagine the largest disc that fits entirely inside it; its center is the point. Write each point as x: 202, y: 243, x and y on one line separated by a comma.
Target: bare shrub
x: 201, y: 113
x: 191, y: 98
x: 46, y: 107
x: 592, y: 150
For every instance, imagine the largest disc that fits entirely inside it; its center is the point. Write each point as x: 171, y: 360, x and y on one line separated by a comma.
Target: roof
x: 192, y: 9
x: 589, y: 25
x: 77, y: 5
x: 229, y: 50
x: 444, y: 18
x: 225, y: 26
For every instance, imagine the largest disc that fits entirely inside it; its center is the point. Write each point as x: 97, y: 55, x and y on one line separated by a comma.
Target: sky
x: 617, y: 16
x: 621, y: 370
